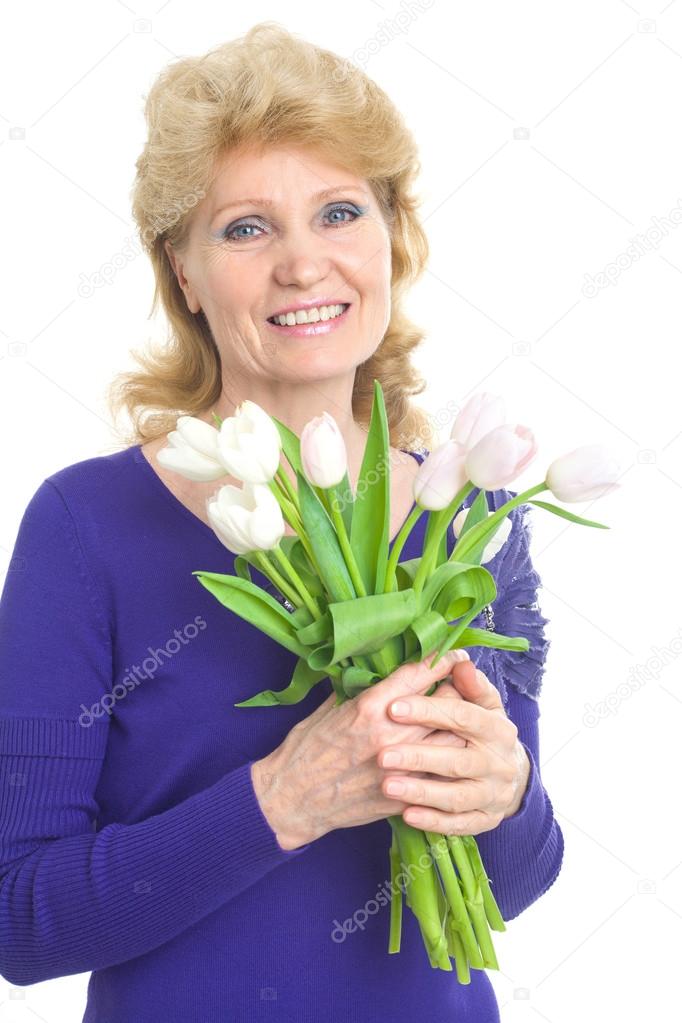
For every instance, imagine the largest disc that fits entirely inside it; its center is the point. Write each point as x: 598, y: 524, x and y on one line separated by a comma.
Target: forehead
x: 273, y: 173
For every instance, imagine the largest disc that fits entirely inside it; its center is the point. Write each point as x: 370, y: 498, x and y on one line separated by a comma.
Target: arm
x: 523, y: 855
x: 73, y: 899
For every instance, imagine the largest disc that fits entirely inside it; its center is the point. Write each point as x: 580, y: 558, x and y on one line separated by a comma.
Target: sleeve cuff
x: 519, y: 836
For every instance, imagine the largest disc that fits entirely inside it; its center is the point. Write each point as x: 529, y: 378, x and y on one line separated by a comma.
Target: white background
x: 550, y: 139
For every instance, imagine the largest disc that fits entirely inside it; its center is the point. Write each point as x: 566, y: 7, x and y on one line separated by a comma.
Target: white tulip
x: 587, y: 472
x: 481, y: 414
x: 192, y: 451
x: 323, y: 452
x: 496, y: 542
x: 249, y: 444
x: 246, y: 518
x: 440, y: 477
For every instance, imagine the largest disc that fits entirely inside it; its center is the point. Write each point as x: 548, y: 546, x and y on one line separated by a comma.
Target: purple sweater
x: 132, y: 843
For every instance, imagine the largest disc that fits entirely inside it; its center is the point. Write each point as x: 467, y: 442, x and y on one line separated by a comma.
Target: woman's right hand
x: 325, y: 774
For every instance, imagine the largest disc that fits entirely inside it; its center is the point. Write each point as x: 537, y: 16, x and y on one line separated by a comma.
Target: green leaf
x: 241, y: 567
x: 568, y: 515
x: 477, y: 512
x: 291, y: 445
x: 254, y: 605
x: 484, y: 637
x: 298, y: 557
x: 371, y: 512
x: 302, y: 681
x: 361, y: 626
x: 433, y: 524
x: 445, y: 587
x: 355, y: 680
x: 324, y: 542
x: 346, y: 494
x: 218, y: 420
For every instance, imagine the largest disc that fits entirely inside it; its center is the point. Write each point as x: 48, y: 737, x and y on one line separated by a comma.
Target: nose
x: 302, y: 260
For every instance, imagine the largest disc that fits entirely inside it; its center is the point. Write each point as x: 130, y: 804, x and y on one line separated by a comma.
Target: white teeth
x: 324, y: 312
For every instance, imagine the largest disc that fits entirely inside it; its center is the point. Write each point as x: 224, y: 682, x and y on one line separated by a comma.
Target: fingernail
x: 400, y: 709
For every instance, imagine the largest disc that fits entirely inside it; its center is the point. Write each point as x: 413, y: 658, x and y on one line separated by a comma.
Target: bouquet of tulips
x: 357, y: 611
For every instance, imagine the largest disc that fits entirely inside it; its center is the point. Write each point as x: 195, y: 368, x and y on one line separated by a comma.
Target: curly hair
x: 264, y: 88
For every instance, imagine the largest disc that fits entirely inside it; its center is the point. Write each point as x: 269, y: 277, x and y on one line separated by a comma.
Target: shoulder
x: 75, y: 503
x: 84, y: 480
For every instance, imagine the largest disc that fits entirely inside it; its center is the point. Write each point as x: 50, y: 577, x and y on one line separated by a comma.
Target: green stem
x: 269, y: 570
x: 492, y: 910
x: 474, y: 900
x: 288, y: 487
x: 488, y: 526
x: 435, y: 532
x: 289, y: 510
x: 398, y: 545
x: 344, y: 543
x: 422, y: 891
x: 298, y: 582
x: 396, y: 898
x: 460, y: 957
x: 441, y: 852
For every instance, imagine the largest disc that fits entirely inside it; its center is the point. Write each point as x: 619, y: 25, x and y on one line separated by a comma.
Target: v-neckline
x: 149, y: 470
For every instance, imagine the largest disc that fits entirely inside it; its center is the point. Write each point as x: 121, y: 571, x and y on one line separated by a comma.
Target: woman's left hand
x: 487, y: 778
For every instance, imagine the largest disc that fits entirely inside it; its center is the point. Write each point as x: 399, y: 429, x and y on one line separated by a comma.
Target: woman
x: 209, y: 862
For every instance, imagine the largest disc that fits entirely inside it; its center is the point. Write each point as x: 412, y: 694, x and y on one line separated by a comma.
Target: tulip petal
x: 199, y: 435
x: 190, y: 464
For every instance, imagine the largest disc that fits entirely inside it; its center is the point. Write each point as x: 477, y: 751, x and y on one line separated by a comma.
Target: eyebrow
x: 326, y: 193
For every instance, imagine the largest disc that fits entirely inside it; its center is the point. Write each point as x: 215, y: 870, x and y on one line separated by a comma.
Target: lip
x: 311, y: 329
x: 308, y: 304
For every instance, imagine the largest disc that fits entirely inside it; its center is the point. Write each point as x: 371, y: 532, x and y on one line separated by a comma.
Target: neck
x: 296, y: 404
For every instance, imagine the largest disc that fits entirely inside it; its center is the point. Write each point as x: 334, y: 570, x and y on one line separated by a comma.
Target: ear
x: 178, y: 267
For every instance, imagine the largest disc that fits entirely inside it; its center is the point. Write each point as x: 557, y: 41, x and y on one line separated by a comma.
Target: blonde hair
x: 264, y: 88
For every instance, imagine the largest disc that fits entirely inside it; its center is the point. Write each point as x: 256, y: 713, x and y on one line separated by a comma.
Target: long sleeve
x: 523, y: 855
x: 74, y: 898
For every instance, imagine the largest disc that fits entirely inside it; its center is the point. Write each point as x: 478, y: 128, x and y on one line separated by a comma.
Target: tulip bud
x: 440, y: 477
x: 249, y: 444
x: 246, y: 518
x: 500, y: 456
x: 587, y: 472
x: 481, y: 414
x: 323, y: 452
x: 192, y: 451
x: 496, y: 542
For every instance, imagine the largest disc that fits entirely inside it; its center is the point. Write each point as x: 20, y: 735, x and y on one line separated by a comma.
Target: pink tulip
x: 440, y: 476
x: 500, y: 456
x: 323, y: 452
x: 481, y: 414
x: 587, y: 472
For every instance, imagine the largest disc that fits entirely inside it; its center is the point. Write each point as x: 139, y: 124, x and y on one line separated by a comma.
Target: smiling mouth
x: 322, y: 314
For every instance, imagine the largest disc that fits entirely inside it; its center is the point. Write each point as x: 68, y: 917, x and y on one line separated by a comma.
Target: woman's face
x: 263, y: 240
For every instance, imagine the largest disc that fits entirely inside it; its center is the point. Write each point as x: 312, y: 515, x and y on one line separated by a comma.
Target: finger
x: 449, y: 796
x: 467, y: 719
x: 472, y: 823
x: 416, y: 677
x: 440, y: 759
x: 475, y: 686
x: 443, y: 737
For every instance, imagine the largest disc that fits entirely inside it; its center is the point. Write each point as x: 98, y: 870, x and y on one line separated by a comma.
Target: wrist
x: 268, y: 794
x: 523, y: 779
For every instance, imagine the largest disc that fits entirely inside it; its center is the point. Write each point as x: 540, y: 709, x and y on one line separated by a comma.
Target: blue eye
x: 355, y: 211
